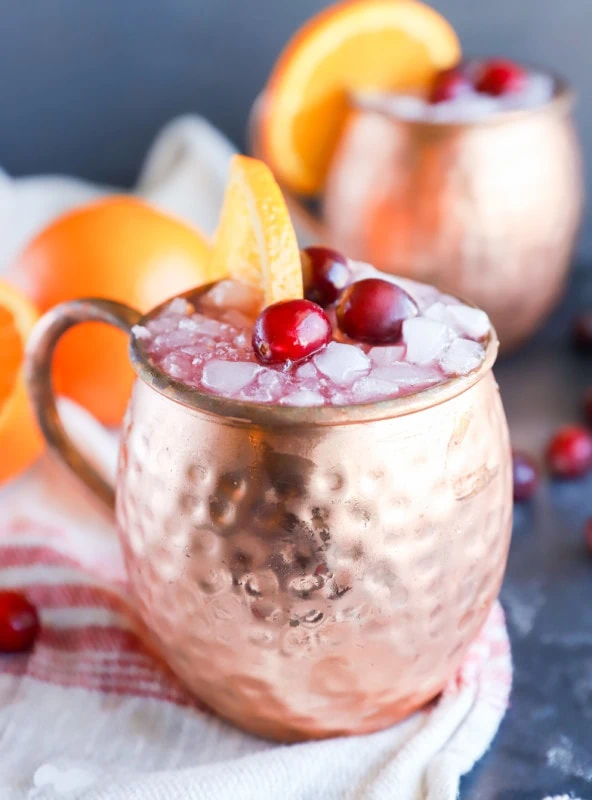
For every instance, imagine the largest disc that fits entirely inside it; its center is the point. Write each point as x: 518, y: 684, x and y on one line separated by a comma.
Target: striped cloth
x: 91, y: 714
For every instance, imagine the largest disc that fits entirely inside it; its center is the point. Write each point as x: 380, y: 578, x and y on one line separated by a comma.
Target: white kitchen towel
x: 89, y: 714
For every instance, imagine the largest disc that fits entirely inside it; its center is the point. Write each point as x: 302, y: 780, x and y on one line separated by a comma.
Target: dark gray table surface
x: 544, y: 745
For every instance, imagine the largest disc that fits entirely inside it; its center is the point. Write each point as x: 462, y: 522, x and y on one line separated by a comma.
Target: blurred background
x: 88, y: 84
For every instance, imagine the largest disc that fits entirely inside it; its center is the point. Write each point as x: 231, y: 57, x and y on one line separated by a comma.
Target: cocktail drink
x: 381, y: 337
x: 461, y: 173
x: 314, y: 483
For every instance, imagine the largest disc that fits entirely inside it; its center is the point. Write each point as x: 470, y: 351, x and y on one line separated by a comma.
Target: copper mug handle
x: 38, y: 374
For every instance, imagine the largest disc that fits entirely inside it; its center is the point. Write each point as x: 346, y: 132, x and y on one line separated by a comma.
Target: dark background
x: 85, y: 84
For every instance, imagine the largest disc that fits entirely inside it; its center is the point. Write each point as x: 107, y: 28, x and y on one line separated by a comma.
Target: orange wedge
x: 20, y: 440
x: 373, y: 45
x: 255, y: 241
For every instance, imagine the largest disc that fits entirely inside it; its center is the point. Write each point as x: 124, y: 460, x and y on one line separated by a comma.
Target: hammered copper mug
x: 487, y: 209
x: 307, y: 572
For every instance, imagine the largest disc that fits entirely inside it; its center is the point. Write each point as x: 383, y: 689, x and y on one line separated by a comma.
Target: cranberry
x: 500, y: 76
x: 588, y: 534
x: 582, y: 332
x: 326, y: 274
x: 588, y: 405
x: 373, y: 311
x: 290, y: 331
x: 448, y: 85
x: 19, y: 622
x: 569, y: 453
x: 525, y: 475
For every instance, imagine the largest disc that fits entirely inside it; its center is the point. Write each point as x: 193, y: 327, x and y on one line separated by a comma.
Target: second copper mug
x: 307, y: 572
x: 487, y: 209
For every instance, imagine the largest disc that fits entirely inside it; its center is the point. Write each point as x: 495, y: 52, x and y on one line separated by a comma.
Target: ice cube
x: 371, y: 388
x: 438, y: 311
x: 426, y: 339
x: 269, y: 385
x: 141, y: 332
x: 401, y: 374
x: 206, y: 326
x: 406, y: 106
x: 468, y: 108
x: 303, y: 397
x: 461, y: 357
x: 178, y: 365
x: 342, y: 363
x: 179, y: 306
x: 361, y: 270
x: 227, y: 294
x: 470, y: 322
x: 383, y: 356
x: 237, y: 319
x: 537, y: 91
x: 172, y: 340
x: 306, y: 371
x: 228, y: 377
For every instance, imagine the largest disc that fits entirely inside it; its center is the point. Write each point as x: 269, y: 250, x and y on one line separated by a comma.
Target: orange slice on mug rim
x: 357, y: 45
x: 255, y: 241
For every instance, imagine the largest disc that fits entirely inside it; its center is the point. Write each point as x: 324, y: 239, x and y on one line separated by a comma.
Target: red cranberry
x: 525, y: 475
x: 588, y: 534
x: 582, y: 332
x: 588, y: 406
x: 326, y: 274
x: 569, y: 453
x: 499, y: 77
x: 373, y: 311
x: 448, y: 85
x: 19, y: 622
x: 290, y: 331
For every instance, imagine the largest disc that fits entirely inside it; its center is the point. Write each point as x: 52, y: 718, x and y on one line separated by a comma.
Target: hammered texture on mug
x: 312, y: 581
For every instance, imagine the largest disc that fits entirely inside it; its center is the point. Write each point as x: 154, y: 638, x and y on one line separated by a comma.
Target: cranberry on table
x: 569, y: 453
x: 525, y: 477
x: 290, y: 331
x: 449, y: 84
x: 325, y: 273
x: 373, y: 311
x: 19, y: 622
x: 500, y: 77
x: 582, y: 332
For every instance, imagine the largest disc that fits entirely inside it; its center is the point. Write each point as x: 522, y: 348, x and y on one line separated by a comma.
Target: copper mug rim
x: 245, y: 411
x: 561, y: 101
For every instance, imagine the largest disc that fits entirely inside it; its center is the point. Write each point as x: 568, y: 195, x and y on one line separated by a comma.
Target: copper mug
x: 487, y: 210
x: 307, y: 572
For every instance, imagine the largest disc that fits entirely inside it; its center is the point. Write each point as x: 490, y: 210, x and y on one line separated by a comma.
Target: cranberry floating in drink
x: 449, y: 85
x: 501, y: 77
x: 325, y: 274
x: 290, y: 331
x: 374, y: 310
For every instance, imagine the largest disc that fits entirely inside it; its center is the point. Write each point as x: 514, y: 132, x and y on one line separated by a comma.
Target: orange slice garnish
x: 20, y: 440
x: 370, y: 45
x: 255, y: 241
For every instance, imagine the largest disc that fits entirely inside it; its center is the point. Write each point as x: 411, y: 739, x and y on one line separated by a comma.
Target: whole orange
x: 118, y: 248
